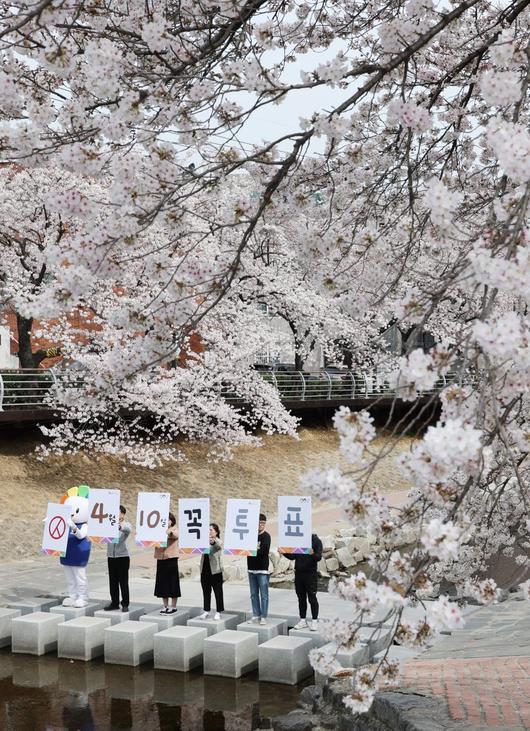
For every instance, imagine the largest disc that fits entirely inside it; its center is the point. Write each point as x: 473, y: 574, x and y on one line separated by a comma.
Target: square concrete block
x: 68, y: 613
x: 291, y: 619
x: 116, y: 616
x: 227, y: 621
x: 165, y: 621
x: 82, y: 638
x: 273, y: 628
x: 194, y: 611
x: 179, y: 648
x: 129, y: 643
x: 6, y: 617
x: 285, y: 660
x: 350, y: 658
x: 30, y: 604
x: 230, y: 654
x: 316, y: 638
x: 36, y: 633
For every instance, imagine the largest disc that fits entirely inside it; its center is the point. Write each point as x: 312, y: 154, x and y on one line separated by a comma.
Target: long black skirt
x: 167, y: 582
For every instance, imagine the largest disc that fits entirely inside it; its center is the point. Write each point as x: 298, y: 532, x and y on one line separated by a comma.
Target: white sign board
x: 194, y: 525
x: 55, y: 534
x: 294, y: 524
x: 103, y: 515
x: 241, y: 527
x: 152, y: 519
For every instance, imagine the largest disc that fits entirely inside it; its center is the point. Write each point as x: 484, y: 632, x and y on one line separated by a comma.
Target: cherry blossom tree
x: 421, y: 167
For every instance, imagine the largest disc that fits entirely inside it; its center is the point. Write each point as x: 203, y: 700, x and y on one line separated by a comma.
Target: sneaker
x: 110, y: 608
x: 314, y: 625
x: 204, y: 615
x: 302, y: 624
x: 125, y: 608
x: 254, y: 620
x: 263, y: 621
x: 217, y: 616
x: 172, y: 610
x: 164, y: 610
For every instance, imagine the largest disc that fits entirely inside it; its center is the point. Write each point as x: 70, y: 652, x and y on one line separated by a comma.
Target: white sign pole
x: 194, y: 525
x: 152, y: 519
x: 103, y: 515
x: 294, y: 524
x: 241, y: 527
x: 55, y: 534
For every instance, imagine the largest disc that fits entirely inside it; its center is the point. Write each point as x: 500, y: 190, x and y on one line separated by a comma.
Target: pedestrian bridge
x: 27, y: 394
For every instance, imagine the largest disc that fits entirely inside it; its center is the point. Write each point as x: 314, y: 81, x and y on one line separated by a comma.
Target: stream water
x: 49, y: 694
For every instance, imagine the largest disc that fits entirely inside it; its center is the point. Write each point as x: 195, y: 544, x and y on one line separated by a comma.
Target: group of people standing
x: 167, y: 582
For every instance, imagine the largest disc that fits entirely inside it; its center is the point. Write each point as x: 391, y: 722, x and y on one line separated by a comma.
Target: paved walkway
x: 482, y: 672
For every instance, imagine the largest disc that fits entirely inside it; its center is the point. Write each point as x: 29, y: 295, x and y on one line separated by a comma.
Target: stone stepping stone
x: 6, y: 618
x: 28, y: 605
x: 316, y: 638
x: 165, y: 621
x: 82, y: 638
x: 179, y: 648
x: 35, y: 633
x: 68, y: 613
x: 129, y: 643
x: 230, y: 653
x: 227, y: 621
x: 285, y: 660
x: 116, y: 616
x: 273, y: 628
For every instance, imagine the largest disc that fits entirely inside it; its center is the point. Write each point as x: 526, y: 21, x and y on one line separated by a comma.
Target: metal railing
x: 28, y: 389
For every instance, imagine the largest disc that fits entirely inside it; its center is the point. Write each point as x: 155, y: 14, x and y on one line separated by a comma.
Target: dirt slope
x: 27, y: 484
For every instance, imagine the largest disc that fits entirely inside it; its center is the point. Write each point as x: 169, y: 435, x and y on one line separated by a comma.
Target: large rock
x: 361, y: 546
x: 295, y: 721
x: 322, y: 568
x: 345, y: 558
x: 332, y: 564
x: 328, y: 543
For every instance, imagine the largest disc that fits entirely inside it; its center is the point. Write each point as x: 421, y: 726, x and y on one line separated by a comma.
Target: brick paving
x: 479, y: 692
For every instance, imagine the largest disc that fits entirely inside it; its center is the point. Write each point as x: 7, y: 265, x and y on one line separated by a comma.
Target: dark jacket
x: 307, y: 561
x: 260, y: 562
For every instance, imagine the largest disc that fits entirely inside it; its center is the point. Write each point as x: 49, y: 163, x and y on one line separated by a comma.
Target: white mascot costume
x: 78, y: 550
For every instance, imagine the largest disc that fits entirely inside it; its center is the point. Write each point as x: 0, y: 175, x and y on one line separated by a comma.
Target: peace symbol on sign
x: 57, y: 527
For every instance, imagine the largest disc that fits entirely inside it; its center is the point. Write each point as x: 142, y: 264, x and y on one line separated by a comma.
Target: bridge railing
x: 28, y: 389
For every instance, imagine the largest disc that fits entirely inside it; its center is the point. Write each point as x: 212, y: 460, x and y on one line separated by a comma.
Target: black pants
x: 119, y: 580
x: 211, y: 581
x: 305, y: 584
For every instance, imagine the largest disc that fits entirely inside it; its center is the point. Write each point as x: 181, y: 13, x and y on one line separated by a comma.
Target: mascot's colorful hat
x: 80, y: 491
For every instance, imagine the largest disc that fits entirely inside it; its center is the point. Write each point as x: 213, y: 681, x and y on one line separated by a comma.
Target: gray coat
x: 119, y: 550
x: 214, y: 557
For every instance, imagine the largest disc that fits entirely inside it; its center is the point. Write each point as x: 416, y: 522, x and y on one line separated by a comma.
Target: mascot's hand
x: 71, y: 523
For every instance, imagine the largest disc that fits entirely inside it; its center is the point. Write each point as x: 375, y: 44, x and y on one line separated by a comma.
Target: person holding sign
x: 305, y: 581
x: 212, y: 575
x: 258, y: 574
x: 167, y: 584
x: 118, y: 561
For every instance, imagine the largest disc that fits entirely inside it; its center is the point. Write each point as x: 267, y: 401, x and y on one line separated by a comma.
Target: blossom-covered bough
x: 404, y: 201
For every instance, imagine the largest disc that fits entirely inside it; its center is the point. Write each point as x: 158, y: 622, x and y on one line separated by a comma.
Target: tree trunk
x: 25, y: 356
